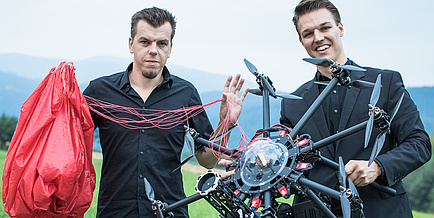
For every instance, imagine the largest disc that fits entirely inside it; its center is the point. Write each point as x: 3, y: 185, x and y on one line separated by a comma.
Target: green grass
x: 197, y: 209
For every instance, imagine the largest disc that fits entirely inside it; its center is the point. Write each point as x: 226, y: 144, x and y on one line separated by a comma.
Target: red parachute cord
x: 165, y: 119
x: 162, y: 119
x: 224, y: 129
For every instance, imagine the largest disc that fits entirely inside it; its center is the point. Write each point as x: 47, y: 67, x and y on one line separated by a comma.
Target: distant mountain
x: 20, y: 75
x: 37, y: 68
x: 423, y: 97
x: 14, y: 90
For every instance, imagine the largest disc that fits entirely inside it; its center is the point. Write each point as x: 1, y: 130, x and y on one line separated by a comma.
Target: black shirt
x: 332, y: 105
x: 129, y: 155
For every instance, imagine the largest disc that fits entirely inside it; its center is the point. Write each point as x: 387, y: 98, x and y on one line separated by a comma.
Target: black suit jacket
x: 405, y: 149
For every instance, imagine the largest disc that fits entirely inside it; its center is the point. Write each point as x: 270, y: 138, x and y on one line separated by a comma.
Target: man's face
x: 151, y: 47
x: 321, y: 37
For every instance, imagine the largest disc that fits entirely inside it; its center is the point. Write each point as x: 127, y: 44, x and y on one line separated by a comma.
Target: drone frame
x: 228, y: 200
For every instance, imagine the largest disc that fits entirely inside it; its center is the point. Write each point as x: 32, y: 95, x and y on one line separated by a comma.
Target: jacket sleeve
x: 413, y: 146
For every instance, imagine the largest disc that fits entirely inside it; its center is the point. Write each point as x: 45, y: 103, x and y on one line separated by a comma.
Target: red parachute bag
x: 48, y: 170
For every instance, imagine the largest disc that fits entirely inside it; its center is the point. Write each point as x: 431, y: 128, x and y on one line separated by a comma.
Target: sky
x: 215, y: 36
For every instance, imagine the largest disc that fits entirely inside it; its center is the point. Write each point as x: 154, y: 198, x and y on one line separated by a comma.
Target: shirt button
x: 142, y: 130
x: 140, y: 198
x: 335, y: 111
x: 334, y: 91
x: 140, y: 176
x: 141, y: 153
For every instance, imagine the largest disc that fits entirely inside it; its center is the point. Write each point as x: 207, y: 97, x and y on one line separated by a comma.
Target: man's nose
x: 318, y: 36
x: 153, y: 49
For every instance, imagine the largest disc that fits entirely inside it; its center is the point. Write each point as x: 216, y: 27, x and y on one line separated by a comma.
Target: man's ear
x: 341, y: 29
x: 170, y: 52
x: 130, y: 45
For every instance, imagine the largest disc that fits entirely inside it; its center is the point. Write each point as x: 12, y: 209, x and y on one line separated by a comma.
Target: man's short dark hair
x: 155, y: 17
x: 307, y: 6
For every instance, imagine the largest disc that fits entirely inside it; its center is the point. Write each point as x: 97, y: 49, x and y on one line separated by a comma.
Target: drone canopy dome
x: 262, y: 164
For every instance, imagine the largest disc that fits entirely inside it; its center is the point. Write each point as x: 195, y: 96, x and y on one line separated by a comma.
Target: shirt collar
x: 125, y: 80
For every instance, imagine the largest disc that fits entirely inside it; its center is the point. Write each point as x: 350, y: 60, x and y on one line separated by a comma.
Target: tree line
x: 7, y: 129
x: 419, y: 184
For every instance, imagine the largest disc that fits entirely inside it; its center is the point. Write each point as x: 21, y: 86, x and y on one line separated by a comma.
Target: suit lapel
x: 318, y: 117
x: 349, y: 102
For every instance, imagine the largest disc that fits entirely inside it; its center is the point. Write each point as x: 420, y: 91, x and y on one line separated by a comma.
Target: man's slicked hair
x: 155, y: 17
x: 307, y: 6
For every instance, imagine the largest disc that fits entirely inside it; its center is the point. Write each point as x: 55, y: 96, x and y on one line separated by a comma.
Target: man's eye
x: 162, y: 43
x: 144, y: 42
x: 326, y: 28
x: 307, y: 35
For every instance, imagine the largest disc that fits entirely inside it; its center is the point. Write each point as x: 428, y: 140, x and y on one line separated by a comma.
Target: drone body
x: 275, y: 167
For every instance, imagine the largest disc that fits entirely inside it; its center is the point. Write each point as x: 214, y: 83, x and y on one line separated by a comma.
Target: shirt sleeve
x: 200, y: 122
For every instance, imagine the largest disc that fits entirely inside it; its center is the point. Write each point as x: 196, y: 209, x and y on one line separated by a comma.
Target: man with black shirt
x: 130, y: 155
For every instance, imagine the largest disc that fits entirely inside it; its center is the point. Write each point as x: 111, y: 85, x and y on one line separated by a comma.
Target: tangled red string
x: 162, y: 119
x: 166, y: 119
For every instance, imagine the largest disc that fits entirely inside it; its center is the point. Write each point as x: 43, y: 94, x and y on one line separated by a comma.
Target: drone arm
x: 337, y: 136
x: 182, y: 202
x: 312, y: 109
x: 216, y: 147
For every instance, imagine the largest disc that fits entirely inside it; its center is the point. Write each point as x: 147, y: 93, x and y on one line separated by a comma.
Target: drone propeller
x: 288, y: 96
x: 264, y: 80
x: 345, y: 203
x: 360, y: 84
x: 373, y: 101
x: 149, y: 190
x: 379, y: 142
x: 151, y: 197
x: 324, y: 62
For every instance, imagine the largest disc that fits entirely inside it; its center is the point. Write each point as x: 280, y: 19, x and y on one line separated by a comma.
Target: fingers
x: 360, y: 173
x: 246, y: 91
x: 224, y: 162
x: 227, y: 84
x: 235, y: 86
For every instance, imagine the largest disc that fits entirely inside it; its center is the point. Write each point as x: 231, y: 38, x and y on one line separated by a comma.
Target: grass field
x: 198, y: 209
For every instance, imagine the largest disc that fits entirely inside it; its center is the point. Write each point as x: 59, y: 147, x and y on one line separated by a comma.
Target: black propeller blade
x: 360, y: 84
x: 352, y: 187
x: 345, y: 203
x: 149, y: 190
x: 151, y: 197
x: 329, y: 63
x: 379, y: 142
x: 264, y: 81
x: 324, y: 62
x: 287, y: 96
x: 373, y: 101
x: 350, y: 67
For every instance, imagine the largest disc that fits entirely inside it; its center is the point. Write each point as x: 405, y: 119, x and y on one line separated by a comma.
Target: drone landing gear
x: 221, y: 197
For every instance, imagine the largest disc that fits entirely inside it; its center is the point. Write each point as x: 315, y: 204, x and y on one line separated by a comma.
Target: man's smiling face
x: 321, y: 36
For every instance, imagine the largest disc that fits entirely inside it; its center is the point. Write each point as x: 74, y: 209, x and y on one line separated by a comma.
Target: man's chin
x: 150, y: 74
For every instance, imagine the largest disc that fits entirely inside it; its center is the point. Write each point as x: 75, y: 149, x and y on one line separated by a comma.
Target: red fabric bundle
x: 48, y: 169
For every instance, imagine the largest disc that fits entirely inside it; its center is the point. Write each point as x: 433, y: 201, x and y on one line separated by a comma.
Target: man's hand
x: 360, y: 173
x: 231, y: 96
x: 229, y: 170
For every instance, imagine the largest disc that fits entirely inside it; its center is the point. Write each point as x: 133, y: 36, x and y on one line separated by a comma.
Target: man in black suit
x: 408, y: 146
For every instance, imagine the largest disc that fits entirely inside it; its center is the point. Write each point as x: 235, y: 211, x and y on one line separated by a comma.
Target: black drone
x: 273, y: 167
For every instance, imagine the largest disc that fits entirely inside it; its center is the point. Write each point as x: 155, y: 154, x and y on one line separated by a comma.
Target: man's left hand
x: 360, y: 173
